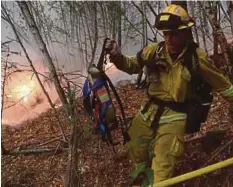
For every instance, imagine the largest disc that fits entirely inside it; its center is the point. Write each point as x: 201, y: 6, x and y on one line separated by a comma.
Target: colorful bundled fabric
x: 98, y: 103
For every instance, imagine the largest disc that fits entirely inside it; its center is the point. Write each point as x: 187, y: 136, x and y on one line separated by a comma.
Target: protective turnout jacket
x: 173, y: 83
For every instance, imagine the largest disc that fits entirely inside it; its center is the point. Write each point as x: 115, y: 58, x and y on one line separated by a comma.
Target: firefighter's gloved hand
x: 111, y: 47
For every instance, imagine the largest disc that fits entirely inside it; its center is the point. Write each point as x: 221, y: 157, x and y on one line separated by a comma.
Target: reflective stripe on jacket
x: 174, y: 82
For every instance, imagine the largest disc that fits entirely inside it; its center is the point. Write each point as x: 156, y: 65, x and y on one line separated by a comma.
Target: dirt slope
x: 98, y: 164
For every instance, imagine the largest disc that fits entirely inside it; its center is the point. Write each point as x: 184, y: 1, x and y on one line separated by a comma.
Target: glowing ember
x: 23, y: 91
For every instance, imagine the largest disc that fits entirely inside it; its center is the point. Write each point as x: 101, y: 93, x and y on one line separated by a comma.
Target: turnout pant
x: 161, y: 149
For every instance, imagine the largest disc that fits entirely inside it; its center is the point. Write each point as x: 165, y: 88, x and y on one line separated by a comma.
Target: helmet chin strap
x: 174, y: 54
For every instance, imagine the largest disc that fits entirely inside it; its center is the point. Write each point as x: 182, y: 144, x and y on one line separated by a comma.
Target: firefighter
x: 170, y: 82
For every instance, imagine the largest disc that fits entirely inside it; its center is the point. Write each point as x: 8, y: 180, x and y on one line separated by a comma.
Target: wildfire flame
x: 23, y: 91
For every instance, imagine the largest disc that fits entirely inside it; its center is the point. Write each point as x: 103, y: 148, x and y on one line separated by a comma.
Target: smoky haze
x: 66, y: 57
x: 65, y: 51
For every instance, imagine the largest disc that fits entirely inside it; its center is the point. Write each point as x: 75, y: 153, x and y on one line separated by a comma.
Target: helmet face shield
x: 173, y: 18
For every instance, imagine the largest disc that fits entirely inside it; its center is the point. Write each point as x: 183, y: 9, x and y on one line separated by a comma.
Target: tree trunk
x: 3, y: 94
x: 34, y: 30
x: 144, y: 24
x: 230, y: 12
x: 144, y: 36
x: 3, y: 87
x: 183, y: 4
x: 145, y: 19
x: 72, y: 178
x: 202, y: 25
x: 215, y: 18
x: 26, y: 54
x: 119, y: 38
x: 103, y: 17
x: 220, y: 37
x: 93, y: 50
x: 193, y: 11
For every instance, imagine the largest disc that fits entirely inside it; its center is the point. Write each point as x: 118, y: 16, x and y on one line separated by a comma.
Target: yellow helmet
x: 173, y: 17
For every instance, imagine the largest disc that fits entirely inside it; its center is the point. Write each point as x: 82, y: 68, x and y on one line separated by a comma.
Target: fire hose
x: 195, y: 173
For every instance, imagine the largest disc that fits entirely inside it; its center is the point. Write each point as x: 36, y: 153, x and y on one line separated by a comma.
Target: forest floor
x: 98, y: 165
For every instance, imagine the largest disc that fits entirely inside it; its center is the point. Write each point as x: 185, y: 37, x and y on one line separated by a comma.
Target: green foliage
x: 149, y: 177
x: 70, y: 95
x: 139, y: 170
x: 87, y: 130
x: 147, y: 172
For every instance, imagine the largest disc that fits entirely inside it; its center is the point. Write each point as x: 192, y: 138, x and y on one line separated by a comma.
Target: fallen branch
x: 219, y: 150
x: 52, y: 140
x: 199, y: 137
x: 34, y: 151
x: 215, y: 154
x: 56, y: 150
x: 39, y: 143
x: 196, y: 137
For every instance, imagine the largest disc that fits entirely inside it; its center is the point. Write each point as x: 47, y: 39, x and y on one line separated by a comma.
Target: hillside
x: 99, y: 166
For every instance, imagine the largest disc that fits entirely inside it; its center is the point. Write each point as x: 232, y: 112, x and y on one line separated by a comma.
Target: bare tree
x: 183, y: 4
x: 72, y: 176
x: 193, y: 12
x: 8, y: 19
x: 34, y: 30
x: 218, y: 34
x: 95, y: 32
x: 230, y: 12
x: 4, y: 68
x: 119, y: 12
x: 145, y: 21
x: 144, y: 31
x: 202, y: 28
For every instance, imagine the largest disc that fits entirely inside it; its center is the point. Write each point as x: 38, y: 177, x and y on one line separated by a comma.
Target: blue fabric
x: 86, y: 98
x: 86, y: 89
x: 102, y: 129
x: 101, y: 117
x: 97, y: 84
x: 86, y: 94
x: 104, y: 108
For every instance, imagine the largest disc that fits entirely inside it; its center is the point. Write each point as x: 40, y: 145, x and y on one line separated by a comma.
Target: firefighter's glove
x: 112, y: 48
